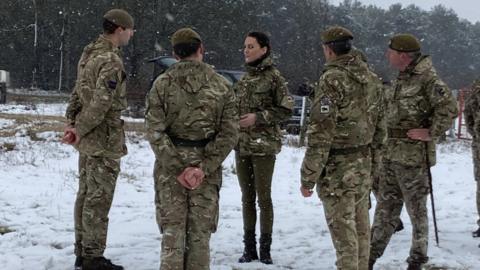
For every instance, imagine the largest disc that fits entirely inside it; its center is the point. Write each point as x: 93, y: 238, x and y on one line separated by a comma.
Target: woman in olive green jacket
x: 263, y: 103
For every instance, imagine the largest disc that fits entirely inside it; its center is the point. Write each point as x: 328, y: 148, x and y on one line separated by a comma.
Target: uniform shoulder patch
x: 325, y: 103
x: 439, y: 90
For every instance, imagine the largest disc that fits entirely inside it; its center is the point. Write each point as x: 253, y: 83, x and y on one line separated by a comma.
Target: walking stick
x: 431, y: 194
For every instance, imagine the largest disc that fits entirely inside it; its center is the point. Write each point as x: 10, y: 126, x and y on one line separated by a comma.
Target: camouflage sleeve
x: 444, y: 107
x: 282, y: 107
x: 321, y: 130
x: 73, y: 108
x: 381, y: 132
x: 469, y: 111
x: 109, y: 75
x: 156, y: 126
x: 472, y: 110
x: 226, y: 138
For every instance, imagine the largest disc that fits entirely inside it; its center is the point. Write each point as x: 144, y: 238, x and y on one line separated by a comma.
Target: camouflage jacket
x: 346, y: 113
x: 97, y: 100
x: 472, y: 110
x: 263, y: 91
x: 190, y: 101
x: 418, y: 99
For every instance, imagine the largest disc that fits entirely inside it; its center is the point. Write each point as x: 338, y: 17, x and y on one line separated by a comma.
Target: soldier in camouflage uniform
x: 472, y: 119
x: 263, y: 103
x: 192, y: 124
x: 96, y: 131
x: 420, y: 109
x: 378, y: 172
x: 345, y: 131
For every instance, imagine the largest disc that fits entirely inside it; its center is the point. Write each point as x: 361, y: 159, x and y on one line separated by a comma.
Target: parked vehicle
x: 162, y: 63
x: 231, y: 75
x: 294, y: 123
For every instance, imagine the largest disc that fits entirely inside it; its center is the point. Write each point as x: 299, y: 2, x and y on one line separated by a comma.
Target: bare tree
x: 35, y: 47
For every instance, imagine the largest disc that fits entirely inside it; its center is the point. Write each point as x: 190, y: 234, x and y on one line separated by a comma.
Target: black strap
x: 189, y: 143
x: 397, y: 133
x: 350, y: 150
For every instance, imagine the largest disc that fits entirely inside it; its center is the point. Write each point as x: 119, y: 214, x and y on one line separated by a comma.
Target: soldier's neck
x: 113, y: 39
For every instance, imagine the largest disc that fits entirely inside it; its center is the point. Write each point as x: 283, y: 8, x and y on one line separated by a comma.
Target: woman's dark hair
x: 184, y: 50
x: 340, y: 47
x: 109, y: 27
x: 262, y: 40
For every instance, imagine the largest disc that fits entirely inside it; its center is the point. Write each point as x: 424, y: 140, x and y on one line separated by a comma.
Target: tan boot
x: 5, y: 229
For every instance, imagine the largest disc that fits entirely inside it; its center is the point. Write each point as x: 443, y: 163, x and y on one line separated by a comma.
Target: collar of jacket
x: 99, y: 46
x: 107, y: 44
x: 102, y: 44
x: 354, y: 67
x: 418, y: 66
x: 342, y: 60
x: 265, y: 64
x: 190, y: 75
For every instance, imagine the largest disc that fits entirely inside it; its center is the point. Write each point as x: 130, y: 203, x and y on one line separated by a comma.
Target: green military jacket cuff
x: 260, y: 118
x: 308, y: 185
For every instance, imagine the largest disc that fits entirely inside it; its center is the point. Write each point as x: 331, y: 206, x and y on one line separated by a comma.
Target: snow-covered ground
x: 56, y: 109
x: 38, y: 185
x: 52, y: 109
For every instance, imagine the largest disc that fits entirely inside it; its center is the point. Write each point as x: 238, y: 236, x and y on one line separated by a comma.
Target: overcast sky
x: 468, y: 9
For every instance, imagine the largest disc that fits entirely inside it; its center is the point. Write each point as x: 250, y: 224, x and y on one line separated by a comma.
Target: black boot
x: 265, y: 243
x: 476, y: 233
x: 399, y: 226
x: 250, y: 249
x: 78, y: 263
x: 370, y: 264
x: 414, y: 266
x: 99, y: 263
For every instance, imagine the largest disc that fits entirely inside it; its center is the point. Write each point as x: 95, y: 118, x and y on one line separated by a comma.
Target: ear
x: 175, y: 56
x: 118, y: 30
x: 201, y: 49
x: 327, y: 51
x: 264, y: 50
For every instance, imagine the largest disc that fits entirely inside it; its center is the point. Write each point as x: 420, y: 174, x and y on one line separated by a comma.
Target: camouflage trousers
x: 344, y: 190
x: 377, y: 177
x: 255, y: 179
x: 476, y: 172
x: 402, y: 184
x: 186, y: 218
x: 98, y: 177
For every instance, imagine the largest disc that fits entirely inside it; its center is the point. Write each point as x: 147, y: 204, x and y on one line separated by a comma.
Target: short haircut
x: 340, y: 47
x: 184, y: 50
x: 262, y: 39
x: 109, y: 27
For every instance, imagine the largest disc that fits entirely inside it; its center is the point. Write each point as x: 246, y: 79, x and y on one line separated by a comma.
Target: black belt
x: 350, y: 150
x: 397, y: 133
x: 189, y: 143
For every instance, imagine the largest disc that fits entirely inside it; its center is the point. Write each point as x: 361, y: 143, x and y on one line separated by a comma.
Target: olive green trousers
x: 255, y: 178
